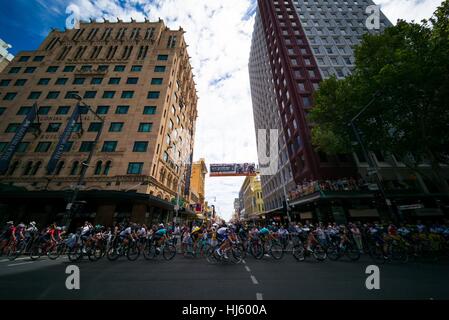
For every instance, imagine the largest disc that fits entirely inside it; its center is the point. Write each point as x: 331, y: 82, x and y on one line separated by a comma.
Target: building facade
x: 5, y: 56
x: 138, y: 79
x: 253, y: 204
x: 198, y: 180
x: 295, y: 45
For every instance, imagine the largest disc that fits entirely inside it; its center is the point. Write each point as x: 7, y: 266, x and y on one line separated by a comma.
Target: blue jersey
x: 264, y: 231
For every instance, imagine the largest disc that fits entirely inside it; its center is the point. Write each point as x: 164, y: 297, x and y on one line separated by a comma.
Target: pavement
x: 187, y: 278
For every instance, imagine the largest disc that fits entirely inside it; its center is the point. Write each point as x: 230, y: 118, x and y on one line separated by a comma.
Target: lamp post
x: 369, y: 159
x: 84, y: 164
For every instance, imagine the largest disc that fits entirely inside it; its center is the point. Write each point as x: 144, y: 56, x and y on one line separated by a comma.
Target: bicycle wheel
x: 211, y: 255
x: 114, y: 253
x: 276, y: 251
x: 169, y: 251
x: 12, y: 251
x: 377, y: 254
x: 298, y: 252
x: 256, y: 250
x: 133, y: 251
x: 237, y: 254
x: 149, y: 251
x: 399, y: 254
x: 353, y: 253
x: 319, y: 253
x: 35, y: 252
x: 53, y: 253
x: 333, y: 253
x: 75, y: 253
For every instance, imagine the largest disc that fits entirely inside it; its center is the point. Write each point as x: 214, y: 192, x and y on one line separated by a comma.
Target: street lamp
x: 84, y: 164
x: 369, y: 159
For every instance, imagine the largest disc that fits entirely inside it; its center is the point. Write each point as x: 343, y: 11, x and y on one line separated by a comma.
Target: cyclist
x: 19, y: 232
x: 159, y: 235
x: 263, y: 233
x: 196, y: 235
x: 222, y: 237
x: 283, y: 236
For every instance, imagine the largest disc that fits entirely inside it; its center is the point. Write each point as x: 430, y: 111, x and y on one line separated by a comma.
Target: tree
x: 408, y: 66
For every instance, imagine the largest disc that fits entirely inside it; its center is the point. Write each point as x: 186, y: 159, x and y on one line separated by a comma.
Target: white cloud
x: 218, y: 33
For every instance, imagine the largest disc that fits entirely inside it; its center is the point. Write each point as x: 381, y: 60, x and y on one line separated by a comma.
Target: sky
x: 218, y: 33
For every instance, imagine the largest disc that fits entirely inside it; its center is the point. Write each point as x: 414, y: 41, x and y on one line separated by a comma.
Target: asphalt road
x: 188, y: 278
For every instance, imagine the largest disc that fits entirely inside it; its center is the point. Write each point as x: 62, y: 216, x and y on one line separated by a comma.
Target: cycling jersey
x: 161, y: 232
x: 263, y: 231
x: 126, y: 232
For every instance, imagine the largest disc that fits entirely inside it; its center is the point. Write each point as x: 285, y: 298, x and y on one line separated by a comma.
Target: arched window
x: 13, y: 168
x: 36, y: 168
x: 98, y: 168
x: 28, y: 168
x: 74, y: 169
x: 107, y: 167
x: 59, y: 167
x: 83, y: 167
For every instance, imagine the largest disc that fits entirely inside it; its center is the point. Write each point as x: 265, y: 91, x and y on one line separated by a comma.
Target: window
x: 136, y: 68
x: 116, y: 127
x: 165, y: 156
x: 10, y: 96
x: 127, y: 94
x: 108, y: 94
x: 86, y: 68
x: 79, y: 80
x: 153, y: 95
x: 63, y: 110
x: 149, y: 110
x: 96, y: 81
x: 44, y: 81
x: 14, y: 70
x: 86, y: 146
x: 24, y: 58
x: 107, y: 167
x: 103, y: 68
x: 102, y: 109
x: 156, y: 81
x: 61, y: 81
x: 77, y: 127
x: 68, y: 146
x: 38, y: 58
x: 30, y: 70
x: 162, y: 57
x: 94, y: 127
x: 98, y: 168
x: 5, y: 82
x: 132, y: 80
x: 52, y: 69
x: 145, y: 127
x: 114, y: 81
x: 59, y: 168
x: 135, y: 167
x: 23, y: 146
x: 20, y: 82
x: 109, y: 146
x: 12, y: 127
x: 159, y: 69
x: 140, y: 146
x: 23, y: 111
x: 119, y: 68
x: 2, y: 110
x: 122, y: 110
x: 69, y: 69
x: 53, y: 95
x: 84, y: 109
x: 90, y: 94
x: 307, y: 102
x: 3, y: 146
x: 53, y: 127
x: 43, y: 110
x: 70, y: 94
x: 74, y: 168
x: 42, y: 147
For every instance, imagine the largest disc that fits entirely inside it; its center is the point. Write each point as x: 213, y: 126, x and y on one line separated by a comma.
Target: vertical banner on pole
x: 11, y: 149
x: 56, y: 156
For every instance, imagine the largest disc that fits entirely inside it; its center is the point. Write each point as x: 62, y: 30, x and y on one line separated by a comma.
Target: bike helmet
x: 33, y: 223
x: 58, y: 228
x: 10, y: 222
x: 21, y: 225
x: 161, y: 225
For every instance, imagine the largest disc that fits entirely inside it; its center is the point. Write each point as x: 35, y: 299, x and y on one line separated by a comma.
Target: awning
x: 363, y: 213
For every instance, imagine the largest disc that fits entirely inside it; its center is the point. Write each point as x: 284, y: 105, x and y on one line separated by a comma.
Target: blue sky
x: 219, y: 36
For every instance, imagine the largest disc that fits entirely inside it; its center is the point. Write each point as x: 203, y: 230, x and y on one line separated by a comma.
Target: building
x: 253, y: 204
x: 5, y: 56
x: 138, y: 79
x: 295, y: 45
x: 197, y: 181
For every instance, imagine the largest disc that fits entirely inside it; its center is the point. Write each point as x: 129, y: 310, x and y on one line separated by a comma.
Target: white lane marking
x: 19, y: 264
x: 259, y: 296
x: 247, y: 269
x: 253, y: 278
x: 4, y: 260
x: 244, y: 262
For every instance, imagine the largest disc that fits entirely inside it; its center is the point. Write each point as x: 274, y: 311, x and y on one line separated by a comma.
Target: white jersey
x: 222, y: 231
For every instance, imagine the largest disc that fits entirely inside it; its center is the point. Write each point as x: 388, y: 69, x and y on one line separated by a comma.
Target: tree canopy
x: 408, y: 66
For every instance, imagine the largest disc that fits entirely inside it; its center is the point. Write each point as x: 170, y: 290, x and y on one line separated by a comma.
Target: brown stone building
x: 137, y: 77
